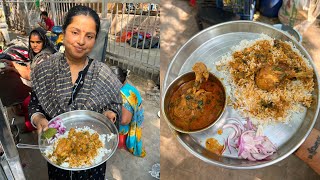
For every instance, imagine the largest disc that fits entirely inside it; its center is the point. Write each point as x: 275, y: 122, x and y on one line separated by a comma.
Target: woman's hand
x: 110, y: 115
x: 126, y: 116
x: 41, y: 123
x: 24, y: 71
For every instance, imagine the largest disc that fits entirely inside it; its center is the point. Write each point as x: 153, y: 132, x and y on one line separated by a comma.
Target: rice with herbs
x: 241, y: 66
x: 79, y: 148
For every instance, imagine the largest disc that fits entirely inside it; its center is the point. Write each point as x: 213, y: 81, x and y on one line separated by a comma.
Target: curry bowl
x: 191, y: 114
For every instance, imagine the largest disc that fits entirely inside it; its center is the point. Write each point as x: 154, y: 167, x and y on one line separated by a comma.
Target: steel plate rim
x: 95, y: 165
x: 267, y: 163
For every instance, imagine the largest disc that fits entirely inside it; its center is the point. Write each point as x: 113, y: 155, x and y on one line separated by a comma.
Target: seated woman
x: 40, y: 49
x: 132, y: 114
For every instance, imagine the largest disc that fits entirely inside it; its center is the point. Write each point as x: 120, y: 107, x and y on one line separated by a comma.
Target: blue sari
x: 132, y: 102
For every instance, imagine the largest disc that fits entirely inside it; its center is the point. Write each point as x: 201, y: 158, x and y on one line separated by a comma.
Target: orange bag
x: 125, y: 36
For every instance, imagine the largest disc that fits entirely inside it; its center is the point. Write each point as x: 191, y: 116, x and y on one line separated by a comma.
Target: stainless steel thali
x: 208, y: 46
x: 80, y: 119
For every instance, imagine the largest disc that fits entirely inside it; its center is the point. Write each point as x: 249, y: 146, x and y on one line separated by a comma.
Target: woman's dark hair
x: 81, y: 10
x: 120, y: 73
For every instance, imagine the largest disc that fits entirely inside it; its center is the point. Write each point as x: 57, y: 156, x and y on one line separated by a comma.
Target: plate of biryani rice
x: 79, y: 140
x: 272, y: 93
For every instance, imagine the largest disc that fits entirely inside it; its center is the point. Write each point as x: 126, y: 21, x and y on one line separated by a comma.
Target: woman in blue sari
x: 132, y: 114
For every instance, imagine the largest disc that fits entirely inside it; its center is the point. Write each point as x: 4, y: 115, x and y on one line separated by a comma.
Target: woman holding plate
x: 73, y: 81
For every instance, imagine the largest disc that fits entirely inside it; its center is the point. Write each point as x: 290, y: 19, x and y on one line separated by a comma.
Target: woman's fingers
x: 39, y: 128
x: 42, y: 125
x: 111, y: 115
x: 45, y: 126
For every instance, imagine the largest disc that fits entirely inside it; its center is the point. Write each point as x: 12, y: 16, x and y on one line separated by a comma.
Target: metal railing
x: 134, y: 33
x: 141, y: 52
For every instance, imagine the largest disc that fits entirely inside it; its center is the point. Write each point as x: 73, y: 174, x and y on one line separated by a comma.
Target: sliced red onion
x: 249, y: 141
x: 233, y: 126
x: 57, y: 124
x: 249, y: 125
x: 227, y: 144
x: 239, y: 123
x: 224, y: 147
x: 259, y: 156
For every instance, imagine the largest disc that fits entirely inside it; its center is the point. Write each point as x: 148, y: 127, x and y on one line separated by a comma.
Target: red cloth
x: 49, y: 23
x: 122, y: 141
x: 192, y: 2
x: 24, y: 108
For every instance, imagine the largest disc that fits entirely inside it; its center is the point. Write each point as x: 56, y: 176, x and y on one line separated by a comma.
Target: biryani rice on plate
x: 78, y: 147
x: 269, y: 79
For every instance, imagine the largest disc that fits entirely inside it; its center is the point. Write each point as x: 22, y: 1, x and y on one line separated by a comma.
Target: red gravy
x: 191, y: 111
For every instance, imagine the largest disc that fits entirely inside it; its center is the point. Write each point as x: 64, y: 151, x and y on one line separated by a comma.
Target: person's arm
x: 309, y: 151
x: 36, y: 114
x: 126, y: 116
x: 24, y: 71
x: 113, y: 111
x: 43, y: 25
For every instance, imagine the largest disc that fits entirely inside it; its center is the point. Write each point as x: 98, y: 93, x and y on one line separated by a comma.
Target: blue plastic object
x: 53, y: 38
x: 56, y: 30
x: 270, y: 8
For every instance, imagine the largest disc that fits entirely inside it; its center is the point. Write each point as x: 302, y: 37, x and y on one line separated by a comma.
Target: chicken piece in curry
x: 273, y: 72
x: 198, y: 103
x: 269, y: 77
x: 79, y: 149
x: 202, y: 75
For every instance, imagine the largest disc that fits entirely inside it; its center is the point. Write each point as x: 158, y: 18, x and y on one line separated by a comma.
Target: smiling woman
x: 79, y: 37
x: 79, y: 40
x: 73, y: 81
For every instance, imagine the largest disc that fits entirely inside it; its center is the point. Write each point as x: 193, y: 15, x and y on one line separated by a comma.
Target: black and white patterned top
x: 53, y: 93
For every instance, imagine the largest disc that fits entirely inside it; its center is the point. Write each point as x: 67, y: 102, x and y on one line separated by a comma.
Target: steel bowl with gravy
x: 194, y: 101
